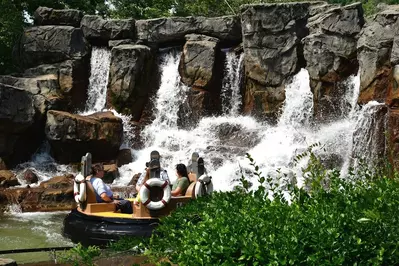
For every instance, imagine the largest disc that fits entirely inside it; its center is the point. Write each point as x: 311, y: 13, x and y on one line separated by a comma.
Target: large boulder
x: 132, y: 77
x: 39, y: 199
x: 59, y: 182
x: 60, y: 86
x: 19, y: 125
x: 72, y: 136
x: 8, y: 179
x: 173, y: 30
x: 271, y: 40
x: 330, y: 52
x: 374, y: 53
x: 99, y: 31
x: 50, y: 44
x: 199, y: 103
x: 197, y: 66
x: 50, y: 16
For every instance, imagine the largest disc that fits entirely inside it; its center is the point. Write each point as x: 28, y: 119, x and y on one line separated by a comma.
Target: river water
x: 31, y: 230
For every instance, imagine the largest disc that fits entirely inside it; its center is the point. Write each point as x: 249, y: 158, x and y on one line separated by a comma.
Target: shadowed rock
x: 132, y: 77
x: 50, y: 44
x: 173, y: 30
x: 99, y: 31
x: 71, y: 136
x: 50, y: 16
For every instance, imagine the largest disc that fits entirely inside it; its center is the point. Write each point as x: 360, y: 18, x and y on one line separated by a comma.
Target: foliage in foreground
x: 330, y: 223
x: 80, y: 255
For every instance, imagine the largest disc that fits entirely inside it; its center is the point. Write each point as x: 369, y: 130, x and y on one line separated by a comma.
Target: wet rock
x: 8, y: 179
x: 198, y: 104
x: 330, y: 53
x: 59, y: 182
x: 50, y: 16
x: 113, y: 43
x: 3, y: 165
x: 131, y: 79
x: 173, y: 30
x: 134, y: 180
x: 374, y: 52
x: 30, y: 177
x: 99, y: 31
x: 50, y: 44
x: 20, y: 125
x: 198, y: 62
x: 124, y: 157
x: 71, y: 136
x: 110, y: 173
x: 40, y: 199
x: 271, y: 40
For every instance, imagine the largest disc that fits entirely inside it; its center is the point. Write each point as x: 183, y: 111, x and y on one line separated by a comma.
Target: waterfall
x: 98, y: 81
x: 368, y: 135
x: 230, y: 94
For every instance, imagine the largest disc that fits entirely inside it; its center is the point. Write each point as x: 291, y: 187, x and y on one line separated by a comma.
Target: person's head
x: 98, y: 170
x: 181, y: 170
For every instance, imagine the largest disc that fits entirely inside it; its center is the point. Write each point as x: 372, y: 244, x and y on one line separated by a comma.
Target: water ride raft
x: 93, y: 223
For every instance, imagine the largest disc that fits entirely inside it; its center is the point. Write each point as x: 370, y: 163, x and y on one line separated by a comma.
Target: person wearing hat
x: 145, y: 175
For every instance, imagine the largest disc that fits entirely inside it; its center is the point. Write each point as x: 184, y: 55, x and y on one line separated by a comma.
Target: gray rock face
x: 197, y: 63
x: 51, y: 44
x: 72, y: 136
x: 131, y: 79
x: 18, y: 133
x: 374, y: 51
x: 49, y: 16
x: 99, y: 31
x: 167, y: 30
x: 330, y: 54
x: 16, y: 109
x: 59, y: 86
x: 271, y: 39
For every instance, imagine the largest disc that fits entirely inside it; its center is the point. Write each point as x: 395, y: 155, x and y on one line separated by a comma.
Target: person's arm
x: 143, y: 177
x: 100, y: 188
x: 176, y: 192
x: 105, y: 197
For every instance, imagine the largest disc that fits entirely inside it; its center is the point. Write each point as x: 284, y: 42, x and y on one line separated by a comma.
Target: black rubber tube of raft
x: 27, y: 250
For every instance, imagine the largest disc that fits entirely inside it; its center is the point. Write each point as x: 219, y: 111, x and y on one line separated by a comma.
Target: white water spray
x: 231, y: 96
x: 98, y: 82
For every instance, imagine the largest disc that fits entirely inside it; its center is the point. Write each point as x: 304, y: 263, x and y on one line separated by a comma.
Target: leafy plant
x: 80, y: 255
x: 331, y: 221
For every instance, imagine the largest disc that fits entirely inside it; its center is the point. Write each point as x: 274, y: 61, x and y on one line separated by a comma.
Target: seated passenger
x: 104, y: 193
x: 145, y: 175
x: 182, y: 182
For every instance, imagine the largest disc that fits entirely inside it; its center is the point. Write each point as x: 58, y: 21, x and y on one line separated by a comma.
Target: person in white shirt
x: 104, y: 192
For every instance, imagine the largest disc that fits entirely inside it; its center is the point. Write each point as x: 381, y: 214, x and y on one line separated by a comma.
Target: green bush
x: 329, y: 222
x: 80, y: 255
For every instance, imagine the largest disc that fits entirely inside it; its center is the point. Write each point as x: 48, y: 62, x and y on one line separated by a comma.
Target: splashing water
x: 224, y: 140
x: 230, y: 94
x: 98, y: 82
x: 43, y: 165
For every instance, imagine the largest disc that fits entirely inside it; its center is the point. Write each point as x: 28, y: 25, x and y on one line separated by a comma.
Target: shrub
x: 80, y: 255
x: 329, y: 222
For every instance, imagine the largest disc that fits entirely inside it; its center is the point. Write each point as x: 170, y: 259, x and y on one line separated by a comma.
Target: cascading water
x: 231, y: 96
x: 99, y: 63
x: 224, y: 140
